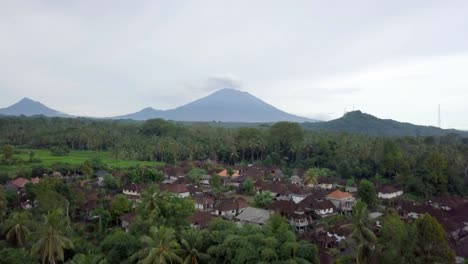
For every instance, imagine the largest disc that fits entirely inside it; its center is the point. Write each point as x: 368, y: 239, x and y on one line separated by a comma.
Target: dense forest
x: 79, y: 219
x: 424, y: 166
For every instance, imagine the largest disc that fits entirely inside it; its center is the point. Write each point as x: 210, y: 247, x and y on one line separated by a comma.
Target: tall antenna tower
x: 438, y: 117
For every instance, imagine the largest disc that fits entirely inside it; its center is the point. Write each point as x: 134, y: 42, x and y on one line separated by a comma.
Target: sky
x: 393, y: 59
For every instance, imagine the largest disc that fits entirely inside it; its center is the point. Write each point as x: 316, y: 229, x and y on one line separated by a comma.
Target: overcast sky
x: 392, y: 59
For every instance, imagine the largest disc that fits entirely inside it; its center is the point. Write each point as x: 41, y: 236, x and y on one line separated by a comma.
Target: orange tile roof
x: 224, y: 173
x: 339, y: 195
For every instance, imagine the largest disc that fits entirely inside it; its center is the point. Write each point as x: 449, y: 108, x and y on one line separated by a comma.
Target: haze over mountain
x: 226, y: 105
x: 29, y: 107
x: 362, y: 123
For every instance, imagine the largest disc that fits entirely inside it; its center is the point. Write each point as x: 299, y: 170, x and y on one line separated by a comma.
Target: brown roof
x: 128, y: 217
x: 203, y: 198
x: 283, y: 207
x: 232, y: 204
x: 174, y: 188
x: 337, y: 194
x: 323, y: 204
x: 20, y: 182
x: 133, y: 187
x: 201, y: 219
x: 271, y: 187
x: 389, y: 189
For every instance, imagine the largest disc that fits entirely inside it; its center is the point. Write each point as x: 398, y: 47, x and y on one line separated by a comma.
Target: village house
x: 200, y: 220
x: 19, y: 183
x: 178, y: 189
x: 343, y: 201
x: 255, y: 216
x: 295, y: 180
x: 276, y: 175
x: 231, y: 207
x: 204, y: 202
x: 133, y: 190
x: 294, y: 213
x: 325, y: 183
x: 276, y: 189
x: 389, y: 192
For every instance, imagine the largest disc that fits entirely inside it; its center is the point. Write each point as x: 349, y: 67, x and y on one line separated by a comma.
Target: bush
x: 59, y: 151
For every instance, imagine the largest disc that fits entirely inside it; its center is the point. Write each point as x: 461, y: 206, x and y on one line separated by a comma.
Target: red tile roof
x: 224, y: 173
x: 337, y: 194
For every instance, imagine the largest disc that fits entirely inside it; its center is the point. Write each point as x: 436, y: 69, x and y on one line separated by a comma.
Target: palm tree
x: 88, y: 259
x: 16, y: 228
x: 161, y: 247
x: 311, y: 177
x: 151, y: 199
x: 191, y: 243
x: 362, y: 237
x: 51, y: 242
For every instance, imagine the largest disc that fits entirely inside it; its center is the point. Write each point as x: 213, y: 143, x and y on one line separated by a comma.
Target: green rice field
x: 74, y: 157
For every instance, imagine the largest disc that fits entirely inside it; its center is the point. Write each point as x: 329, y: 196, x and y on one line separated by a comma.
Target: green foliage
x: 248, y: 186
x: 3, y: 203
x: 119, y: 246
x: 362, y: 237
x: 120, y: 206
x: 216, y: 182
x: 367, y: 193
x: 431, y: 242
x: 161, y: 246
x: 263, y: 199
x: 50, y: 239
x: 16, y: 255
x: 59, y: 151
x: 144, y: 174
x: 312, y: 175
x: 17, y: 228
x: 196, y: 175
x: 396, y: 241
x: 436, y: 166
x: 111, y: 183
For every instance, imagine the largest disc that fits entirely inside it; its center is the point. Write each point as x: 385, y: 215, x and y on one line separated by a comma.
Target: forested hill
x: 362, y: 123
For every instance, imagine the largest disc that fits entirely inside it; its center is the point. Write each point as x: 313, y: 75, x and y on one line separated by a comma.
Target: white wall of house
x: 184, y: 194
x: 297, y: 198
x: 129, y: 192
x: 324, y: 211
x: 389, y: 195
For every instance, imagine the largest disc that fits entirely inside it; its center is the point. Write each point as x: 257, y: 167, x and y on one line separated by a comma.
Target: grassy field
x: 75, y: 157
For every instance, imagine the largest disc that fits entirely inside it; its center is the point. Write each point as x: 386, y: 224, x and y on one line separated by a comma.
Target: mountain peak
x: 29, y: 107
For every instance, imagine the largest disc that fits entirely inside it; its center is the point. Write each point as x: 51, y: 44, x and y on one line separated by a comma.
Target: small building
x: 200, y: 220
x: 389, y: 192
x: 231, y: 207
x: 344, y: 201
x: 323, y: 208
x: 178, y: 189
x: 133, y: 190
x: 17, y: 184
x: 295, y: 180
x: 204, y: 202
x: 255, y: 216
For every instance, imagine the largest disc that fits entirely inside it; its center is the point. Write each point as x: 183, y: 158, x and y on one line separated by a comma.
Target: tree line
x: 425, y: 166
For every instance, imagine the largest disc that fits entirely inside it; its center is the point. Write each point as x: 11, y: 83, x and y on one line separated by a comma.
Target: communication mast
x: 438, y: 118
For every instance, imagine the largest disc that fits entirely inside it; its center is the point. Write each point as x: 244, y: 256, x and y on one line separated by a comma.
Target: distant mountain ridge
x: 225, y: 105
x: 362, y: 123
x: 29, y: 107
